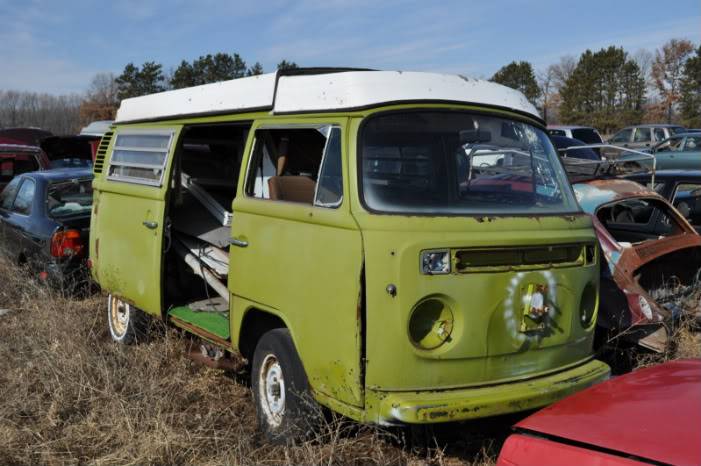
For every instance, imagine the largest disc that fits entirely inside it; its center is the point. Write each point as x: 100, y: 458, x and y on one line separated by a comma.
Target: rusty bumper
x: 471, y: 403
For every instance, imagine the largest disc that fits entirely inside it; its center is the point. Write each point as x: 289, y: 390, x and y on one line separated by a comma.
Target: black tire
x: 127, y: 324
x: 291, y: 413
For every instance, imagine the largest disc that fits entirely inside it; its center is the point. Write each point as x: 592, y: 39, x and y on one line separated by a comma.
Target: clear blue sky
x: 57, y: 46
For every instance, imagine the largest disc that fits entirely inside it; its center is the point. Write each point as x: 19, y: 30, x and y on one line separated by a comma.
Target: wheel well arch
x: 256, y: 322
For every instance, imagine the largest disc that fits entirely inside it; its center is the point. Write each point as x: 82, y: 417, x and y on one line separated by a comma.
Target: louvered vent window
x: 102, y: 152
x: 140, y: 157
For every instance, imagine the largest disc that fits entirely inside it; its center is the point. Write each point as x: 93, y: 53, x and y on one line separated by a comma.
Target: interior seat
x: 292, y: 188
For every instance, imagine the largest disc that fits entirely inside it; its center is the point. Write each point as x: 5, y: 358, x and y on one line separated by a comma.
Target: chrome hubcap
x: 271, y: 386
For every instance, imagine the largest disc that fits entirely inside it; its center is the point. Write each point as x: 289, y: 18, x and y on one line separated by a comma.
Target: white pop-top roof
x: 328, y: 91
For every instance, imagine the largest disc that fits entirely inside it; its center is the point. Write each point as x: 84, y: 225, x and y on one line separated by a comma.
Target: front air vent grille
x: 510, y: 258
x: 102, y: 152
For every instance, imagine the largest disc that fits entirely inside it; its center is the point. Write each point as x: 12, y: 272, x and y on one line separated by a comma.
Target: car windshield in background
x: 69, y: 198
x: 677, y: 130
x: 70, y: 163
x: 460, y: 163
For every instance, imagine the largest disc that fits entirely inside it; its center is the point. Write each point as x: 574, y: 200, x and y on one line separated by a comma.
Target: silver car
x: 641, y: 137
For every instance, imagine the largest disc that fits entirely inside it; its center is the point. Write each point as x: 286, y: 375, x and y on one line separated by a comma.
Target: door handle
x: 150, y: 225
x: 238, y: 242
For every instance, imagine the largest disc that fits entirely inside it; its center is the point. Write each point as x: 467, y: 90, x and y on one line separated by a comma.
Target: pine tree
x: 519, y: 76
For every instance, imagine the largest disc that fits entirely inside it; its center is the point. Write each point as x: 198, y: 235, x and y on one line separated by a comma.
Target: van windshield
x: 447, y: 162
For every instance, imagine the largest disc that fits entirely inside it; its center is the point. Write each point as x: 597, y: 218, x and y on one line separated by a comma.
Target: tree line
x: 66, y: 114
x: 607, y: 89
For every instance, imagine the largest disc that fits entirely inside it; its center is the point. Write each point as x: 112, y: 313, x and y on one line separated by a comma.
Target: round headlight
x: 430, y: 324
x: 645, y: 307
x: 588, y: 305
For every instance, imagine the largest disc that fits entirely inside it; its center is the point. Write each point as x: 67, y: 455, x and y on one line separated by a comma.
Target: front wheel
x: 126, y: 323
x: 285, y: 407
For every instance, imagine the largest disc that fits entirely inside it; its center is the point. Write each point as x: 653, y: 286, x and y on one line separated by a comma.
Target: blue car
x: 562, y: 144
x: 45, y: 223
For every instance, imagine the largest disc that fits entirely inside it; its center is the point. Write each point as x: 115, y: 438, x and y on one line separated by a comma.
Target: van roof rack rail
x: 579, y: 170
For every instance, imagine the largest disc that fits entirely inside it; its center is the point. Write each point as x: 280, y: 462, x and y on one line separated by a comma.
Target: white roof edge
x: 236, y: 95
x: 340, y: 91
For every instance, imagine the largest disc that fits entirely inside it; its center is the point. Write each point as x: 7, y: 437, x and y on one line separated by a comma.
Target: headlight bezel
x: 436, y: 330
x: 427, y: 262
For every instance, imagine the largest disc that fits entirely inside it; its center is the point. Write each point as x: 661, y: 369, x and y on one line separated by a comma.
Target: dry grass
x: 684, y: 339
x: 68, y: 395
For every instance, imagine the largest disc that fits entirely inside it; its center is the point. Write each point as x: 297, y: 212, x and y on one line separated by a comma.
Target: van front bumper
x: 426, y: 407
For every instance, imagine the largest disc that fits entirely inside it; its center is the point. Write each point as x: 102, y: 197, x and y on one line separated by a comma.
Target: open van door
x: 130, y: 189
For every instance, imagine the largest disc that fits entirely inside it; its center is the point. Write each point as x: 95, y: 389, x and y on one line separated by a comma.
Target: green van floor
x: 216, y: 323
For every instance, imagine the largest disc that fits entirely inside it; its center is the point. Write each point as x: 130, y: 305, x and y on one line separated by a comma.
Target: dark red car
x: 650, y: 416
x: 16, y: 159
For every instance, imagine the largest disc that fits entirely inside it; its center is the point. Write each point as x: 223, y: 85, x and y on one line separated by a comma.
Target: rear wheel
x: 285, y: 407
x: 127, y: 324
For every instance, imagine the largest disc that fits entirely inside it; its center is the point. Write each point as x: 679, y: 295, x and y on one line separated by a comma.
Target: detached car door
x: 128, y: 216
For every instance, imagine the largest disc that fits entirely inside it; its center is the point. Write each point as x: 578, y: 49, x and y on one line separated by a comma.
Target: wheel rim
x: 271, y: 386
x: 119, y: 316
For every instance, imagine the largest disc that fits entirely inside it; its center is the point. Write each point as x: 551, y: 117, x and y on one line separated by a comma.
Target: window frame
x: 170, y: 132
x: 250, y: 177
x: 12, y: 202
x: 615, y: 137
x: 13, y: 209
x: 359, y: 156
x: 635, y: 140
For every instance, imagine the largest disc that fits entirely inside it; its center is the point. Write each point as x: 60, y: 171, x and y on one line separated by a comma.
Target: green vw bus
x: 399, y: 247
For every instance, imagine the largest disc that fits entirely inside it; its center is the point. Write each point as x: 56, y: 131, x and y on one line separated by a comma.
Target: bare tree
x: 562, y: 71
x: 101, y: 100
x: 644, y: 59
x: 667, y: 70
x: 546, y: 83
x: 58, y: 114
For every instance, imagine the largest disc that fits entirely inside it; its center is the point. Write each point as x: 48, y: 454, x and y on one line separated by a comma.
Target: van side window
x: 140, y: 157
x: 300, y: 165
x: 25, y: 197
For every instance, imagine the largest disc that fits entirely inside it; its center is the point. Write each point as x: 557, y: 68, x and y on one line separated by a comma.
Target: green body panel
x: 307, y: 265
x: 215, y: 323
x: 305, y: 262
x: 129, y: 259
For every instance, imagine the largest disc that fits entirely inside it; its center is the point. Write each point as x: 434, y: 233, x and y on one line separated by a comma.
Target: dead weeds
x: 68, y: 395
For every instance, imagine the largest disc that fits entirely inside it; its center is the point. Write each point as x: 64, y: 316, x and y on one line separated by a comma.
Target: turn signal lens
x: 67, y: 243
x: 435, y: 262
x: 430, y: 324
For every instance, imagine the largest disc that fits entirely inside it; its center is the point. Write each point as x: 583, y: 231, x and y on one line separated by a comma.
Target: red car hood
x: 653, y: 413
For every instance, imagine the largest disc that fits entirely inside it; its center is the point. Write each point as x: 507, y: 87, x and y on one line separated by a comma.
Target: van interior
x: 208, y: 160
